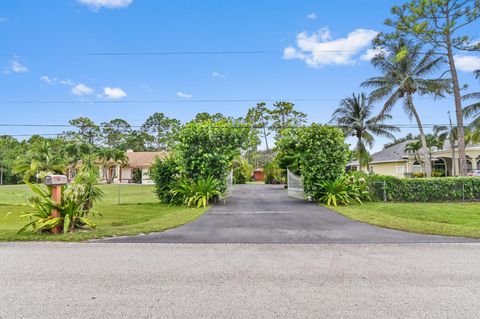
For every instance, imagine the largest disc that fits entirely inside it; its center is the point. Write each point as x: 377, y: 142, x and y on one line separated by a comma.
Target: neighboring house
x: 395, y: 161
x: 138, y: 164
x: 137, y: 161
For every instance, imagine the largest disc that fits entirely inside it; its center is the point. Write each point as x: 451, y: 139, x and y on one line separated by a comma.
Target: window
x: 400, y: 169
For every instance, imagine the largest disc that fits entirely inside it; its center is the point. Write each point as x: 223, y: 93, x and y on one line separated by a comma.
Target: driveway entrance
x: 264, y: 214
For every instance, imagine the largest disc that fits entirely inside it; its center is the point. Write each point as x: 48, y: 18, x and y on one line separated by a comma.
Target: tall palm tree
x: 405, y: 73
x: 473, y: 110
x: 354, y: 116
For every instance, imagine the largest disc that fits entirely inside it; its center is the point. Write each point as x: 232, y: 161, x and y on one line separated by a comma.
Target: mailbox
x: 55, y: 180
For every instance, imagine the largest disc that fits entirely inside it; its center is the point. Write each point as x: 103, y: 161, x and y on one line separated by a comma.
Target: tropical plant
x: 110, y: 157
x: 346, y: 190
x: 41, y: 157
x: 198, y: 193
x: 414, y: 148
x: 354, y: 117
x: 72, y: 211
x: 273, y: 173
x: 441, y: 24
x: 241, y: 170
x: 405, y: 69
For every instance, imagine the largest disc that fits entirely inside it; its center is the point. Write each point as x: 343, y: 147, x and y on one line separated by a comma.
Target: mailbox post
x: 55, y: 182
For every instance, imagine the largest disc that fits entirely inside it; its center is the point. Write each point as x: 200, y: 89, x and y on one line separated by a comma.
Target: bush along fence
x: 391, y: 189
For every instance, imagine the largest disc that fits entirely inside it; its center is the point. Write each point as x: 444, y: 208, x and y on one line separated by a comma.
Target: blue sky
x: 45, y: 46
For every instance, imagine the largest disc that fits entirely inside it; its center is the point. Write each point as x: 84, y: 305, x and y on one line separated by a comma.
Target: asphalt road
x: 43, y: 280
x: 264, y: 214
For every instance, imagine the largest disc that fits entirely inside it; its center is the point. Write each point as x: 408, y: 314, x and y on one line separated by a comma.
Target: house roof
x: 395, y: 153
x: 144, y: 159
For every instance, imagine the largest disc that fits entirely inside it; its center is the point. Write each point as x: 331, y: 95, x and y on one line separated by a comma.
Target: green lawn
x: 138, y: 212
x: 451, y: 219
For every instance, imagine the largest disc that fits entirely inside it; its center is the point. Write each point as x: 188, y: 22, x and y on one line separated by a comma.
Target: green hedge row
x: 425, y: 189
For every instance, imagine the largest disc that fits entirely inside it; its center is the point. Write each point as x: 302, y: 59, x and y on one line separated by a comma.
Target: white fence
x: 295, y: 185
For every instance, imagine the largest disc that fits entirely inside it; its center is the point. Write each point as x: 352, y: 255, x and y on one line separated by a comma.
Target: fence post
x: 385, y: 191
x: 463, y: 191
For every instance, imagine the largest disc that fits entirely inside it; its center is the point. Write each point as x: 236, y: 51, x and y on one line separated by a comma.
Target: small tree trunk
x: 359, y: 151
x: 428, y: 164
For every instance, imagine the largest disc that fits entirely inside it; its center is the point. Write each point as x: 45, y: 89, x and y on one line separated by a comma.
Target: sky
x: 49, y: 54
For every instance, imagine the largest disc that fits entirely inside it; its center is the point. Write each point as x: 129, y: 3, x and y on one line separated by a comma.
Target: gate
x: 295, y: 186
x: 229, y: 181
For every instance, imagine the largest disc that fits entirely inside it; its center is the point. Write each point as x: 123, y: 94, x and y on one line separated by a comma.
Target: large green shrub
x: 241, y: 170
x: 320, y: 153
x: 425, y: 189
x: 273, y: 173
x: 165, y: 172
x: 207, y: 148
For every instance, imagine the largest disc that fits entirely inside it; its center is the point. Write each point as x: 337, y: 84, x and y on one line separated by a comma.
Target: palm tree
x: 473, y: 110
x: 354, y: 116
x: 405, y: 73
x: 40, y: 158
x: 414, y: 148
x: 109, y: 156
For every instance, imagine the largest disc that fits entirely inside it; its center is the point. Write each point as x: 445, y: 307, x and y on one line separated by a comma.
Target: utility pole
x: 452, y: 144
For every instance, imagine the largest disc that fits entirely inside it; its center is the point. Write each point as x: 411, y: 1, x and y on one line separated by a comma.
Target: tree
x: 405, y: 73
x: 473, y: 110
x: 10, y: 149
x: 162, y: 129
x: 41, y: 157
x: 440, y: 24
x: 285, y: 116
x: 116, y: 132
x: 109, y: 157
x: 137, y: 141
x: 414, y: 148
x: 322, y: 154
x: 87, y: 130
x: 354, y: 117
x: 207, y: 148
x: 205, y: 116
x: 259, y: 118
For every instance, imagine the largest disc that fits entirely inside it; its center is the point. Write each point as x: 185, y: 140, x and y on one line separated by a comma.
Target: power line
x: 188, y: 101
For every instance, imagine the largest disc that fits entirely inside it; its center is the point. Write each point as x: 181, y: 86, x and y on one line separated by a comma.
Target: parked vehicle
x: 475, y: 172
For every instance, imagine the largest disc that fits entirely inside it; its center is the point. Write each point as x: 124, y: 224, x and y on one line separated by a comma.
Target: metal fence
x: 413, y: 191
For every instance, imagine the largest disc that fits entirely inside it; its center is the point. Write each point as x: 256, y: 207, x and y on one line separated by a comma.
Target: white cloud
x: 109, y: 4
x: 114, y: 93
x: 66, y: 82
x: 319, y: 49
x: 18, y: 67
x: 467, y: 63
x: 312, y: 16
x: 371, y: 53
x: 81, y: 89
x: 218, y: 75
x: 184, y: 95
x: 48, y: 80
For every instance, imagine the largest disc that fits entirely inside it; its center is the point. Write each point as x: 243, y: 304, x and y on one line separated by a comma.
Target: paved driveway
x: 264, y: 214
